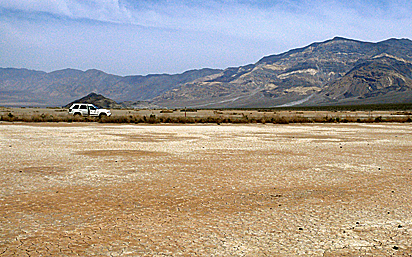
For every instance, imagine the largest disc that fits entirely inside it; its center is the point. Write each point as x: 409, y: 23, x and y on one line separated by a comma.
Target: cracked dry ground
x: 250, y: 190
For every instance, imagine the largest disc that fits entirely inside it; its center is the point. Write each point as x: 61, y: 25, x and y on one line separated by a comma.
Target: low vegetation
x: 216, y: 118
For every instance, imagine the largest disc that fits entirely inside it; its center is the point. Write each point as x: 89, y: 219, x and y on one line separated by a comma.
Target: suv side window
x: 76, y: 106
x: 92, y: 108
x: 83, y: 107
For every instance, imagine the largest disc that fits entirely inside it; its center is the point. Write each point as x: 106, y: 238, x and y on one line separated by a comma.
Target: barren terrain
x: 231, y: 190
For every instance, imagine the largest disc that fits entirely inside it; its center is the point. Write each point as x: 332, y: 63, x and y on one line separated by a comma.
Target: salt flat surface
x: 230, y: 190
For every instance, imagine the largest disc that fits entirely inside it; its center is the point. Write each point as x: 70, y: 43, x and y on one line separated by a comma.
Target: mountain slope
x: 22, y: 87
x: 369, y: 82
x: 288, y: 77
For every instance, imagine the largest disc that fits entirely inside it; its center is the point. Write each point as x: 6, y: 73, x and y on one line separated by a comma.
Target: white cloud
x: 59, y: 7
x: 101, y: 10
x: 261, y: 19
x: 174, y: 36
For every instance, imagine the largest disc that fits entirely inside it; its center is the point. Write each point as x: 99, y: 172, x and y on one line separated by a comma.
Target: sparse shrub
x: 280, y: 120
x: 298, y: 119
x: 181, y: 120
x: 190, y: 120
x: 328, y: 119
x: 138, y: 119
x: 378, y: 119
x: 152, y: 119
x: 37, y: 118
x: 10, y: 117
x: 239, y: 120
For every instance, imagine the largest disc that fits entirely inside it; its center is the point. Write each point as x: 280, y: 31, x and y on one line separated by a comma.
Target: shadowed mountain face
x: 337, y: 71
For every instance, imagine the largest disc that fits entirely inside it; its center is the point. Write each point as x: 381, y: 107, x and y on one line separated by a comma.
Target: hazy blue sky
x: 165, y: 36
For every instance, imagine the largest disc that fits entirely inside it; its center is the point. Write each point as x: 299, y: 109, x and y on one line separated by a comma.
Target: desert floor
x: 231, y: 190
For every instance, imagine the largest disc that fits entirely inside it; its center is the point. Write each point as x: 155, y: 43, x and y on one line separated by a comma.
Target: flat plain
x: 90, y: 189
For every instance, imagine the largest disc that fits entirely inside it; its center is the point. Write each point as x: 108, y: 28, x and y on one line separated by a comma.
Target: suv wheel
x: 101, y: 115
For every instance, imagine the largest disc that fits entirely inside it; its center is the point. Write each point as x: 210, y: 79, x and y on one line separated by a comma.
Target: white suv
x: 88, y: 110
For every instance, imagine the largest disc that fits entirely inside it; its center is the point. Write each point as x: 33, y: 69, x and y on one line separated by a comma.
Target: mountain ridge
x: 24, y: 87
x: 307, y: 75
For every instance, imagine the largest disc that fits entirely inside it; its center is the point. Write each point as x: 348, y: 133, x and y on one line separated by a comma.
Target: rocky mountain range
x: 334, y: 72
x: 22, y: 87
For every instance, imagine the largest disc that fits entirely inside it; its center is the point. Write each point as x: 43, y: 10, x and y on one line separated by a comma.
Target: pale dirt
x: 249, y: 190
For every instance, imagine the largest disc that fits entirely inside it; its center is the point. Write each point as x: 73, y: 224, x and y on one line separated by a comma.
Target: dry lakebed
x: 90, y: 189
